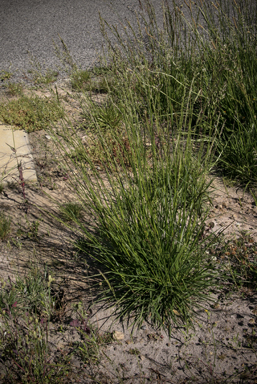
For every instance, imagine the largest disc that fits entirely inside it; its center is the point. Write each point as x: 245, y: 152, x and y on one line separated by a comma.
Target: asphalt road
x: 28, y: 28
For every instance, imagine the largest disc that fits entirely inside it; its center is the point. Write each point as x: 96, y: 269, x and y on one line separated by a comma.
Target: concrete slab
x: 15, y: 151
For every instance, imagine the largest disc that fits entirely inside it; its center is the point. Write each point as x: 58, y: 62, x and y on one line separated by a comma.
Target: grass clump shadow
x: 71, y: 212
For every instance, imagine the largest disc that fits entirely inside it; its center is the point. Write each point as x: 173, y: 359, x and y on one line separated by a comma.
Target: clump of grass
x: 25, y: 310
x: 25, y: 351
x: 149, y: 217
x: 5, y: 226
x: 31, y: 113
x: 221, y: 64
x: 31, y: 292
x: 150, y: 222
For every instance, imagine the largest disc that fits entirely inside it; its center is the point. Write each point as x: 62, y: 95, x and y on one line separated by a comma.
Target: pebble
x: 118, y: 335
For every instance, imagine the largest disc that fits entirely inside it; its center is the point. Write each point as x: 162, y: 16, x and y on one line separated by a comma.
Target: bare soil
x: 222, y: 346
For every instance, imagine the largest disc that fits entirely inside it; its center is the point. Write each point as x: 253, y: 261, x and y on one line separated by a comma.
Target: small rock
x: 143, y: 327
x: 129, y: 342
x: 48, y: 137
x: 118, y: 335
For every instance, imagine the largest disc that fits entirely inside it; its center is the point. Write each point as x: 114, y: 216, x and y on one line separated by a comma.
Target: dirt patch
x: 223, y: 344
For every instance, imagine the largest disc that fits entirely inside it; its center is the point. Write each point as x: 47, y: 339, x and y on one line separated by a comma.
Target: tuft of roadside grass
x: 184, y: 99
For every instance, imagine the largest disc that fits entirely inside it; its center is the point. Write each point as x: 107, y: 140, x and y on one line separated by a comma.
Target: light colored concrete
x: 15, y: 151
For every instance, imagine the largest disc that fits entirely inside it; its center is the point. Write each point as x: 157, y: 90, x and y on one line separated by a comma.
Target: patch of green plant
x: 31, y: 113
x: 150, y: 220
x: 35, y: 292
x: 26, y: 353
x: 71, y: 211
x: 5, y: 75
x: 29, y: 231
x: 5, y: 226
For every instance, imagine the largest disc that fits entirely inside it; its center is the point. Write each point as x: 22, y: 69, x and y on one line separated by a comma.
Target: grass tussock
x: 184, y: 113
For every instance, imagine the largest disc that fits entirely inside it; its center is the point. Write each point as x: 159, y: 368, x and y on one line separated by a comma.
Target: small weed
x: 88, y: 349
x: 5, y: 75
x: 5, y: 226
x: 134, y: 351
x: 31, y: 113
x: 241, y: 255
x: 47, y: 78
x: 14, y: 89
x: 25, y: 353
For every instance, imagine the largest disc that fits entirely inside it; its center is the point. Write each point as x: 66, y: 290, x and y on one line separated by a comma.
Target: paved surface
x: 15, y: 152
x: 28, y: 27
